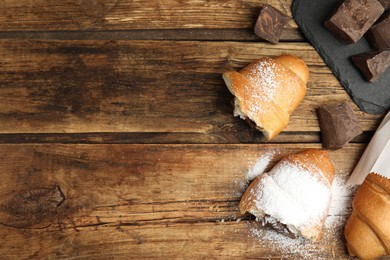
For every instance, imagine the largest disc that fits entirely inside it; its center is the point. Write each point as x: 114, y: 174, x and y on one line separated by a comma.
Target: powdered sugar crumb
x: 341, y: 195
x: 260, y: 166
x: 288, y: 247
x: 257, y: 169
x: 340, y: 209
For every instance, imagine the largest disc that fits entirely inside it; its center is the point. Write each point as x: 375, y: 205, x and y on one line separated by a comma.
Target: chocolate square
x: 352, y: 18
x: 338, y: 124
x: 372, y: 64
x: 385, y: 4
x: 379, y: 34
x: 270, y: 24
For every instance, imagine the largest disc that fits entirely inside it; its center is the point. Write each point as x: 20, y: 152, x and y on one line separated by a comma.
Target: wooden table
x: 117, y: 134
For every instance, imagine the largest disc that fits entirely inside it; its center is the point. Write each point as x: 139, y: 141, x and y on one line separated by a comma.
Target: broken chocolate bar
x: 338, y: 125
x: 372, y: 64
x: 351, y: 20
x: 379, y: 34
x: 385, y: 4
x: 270, y: 24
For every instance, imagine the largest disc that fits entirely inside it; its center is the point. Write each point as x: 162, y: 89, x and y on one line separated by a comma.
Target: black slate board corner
x: 372, y: 98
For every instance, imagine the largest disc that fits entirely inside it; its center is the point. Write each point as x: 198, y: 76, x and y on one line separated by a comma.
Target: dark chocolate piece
x: 338, y: 125
x: 351, y: 20
x: 373, y: 98
x: 372, y: 64
x: 385, y: 4
x: 270, y: 24
x: 379, y: 34
x: 278, y: 226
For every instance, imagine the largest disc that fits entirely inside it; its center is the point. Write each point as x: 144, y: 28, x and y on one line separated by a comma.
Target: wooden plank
x: 171, y: 241
x: 144, y: 86
x: 29, y: 15
x: 242, y: 35
x: 140, y: 200
x: 163, y: 138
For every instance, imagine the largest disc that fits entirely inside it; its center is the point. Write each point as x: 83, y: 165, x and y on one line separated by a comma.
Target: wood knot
x: 33, y: 208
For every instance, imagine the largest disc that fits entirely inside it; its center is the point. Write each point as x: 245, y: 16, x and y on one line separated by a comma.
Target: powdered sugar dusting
x: 262, y: 89
x: 257, y: 169
x: 297, y: 248
x: 313, y: 167
x: 341, y: 195
x: 266, y: 85
x: 340, y: 209
x: 260, y: 166
x: 265, y: 82
x: 292, y: 196
x: 300, y: 248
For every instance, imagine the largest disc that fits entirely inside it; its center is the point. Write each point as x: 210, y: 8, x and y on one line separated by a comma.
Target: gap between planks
x: 164, y: 138
x: 240, y: 35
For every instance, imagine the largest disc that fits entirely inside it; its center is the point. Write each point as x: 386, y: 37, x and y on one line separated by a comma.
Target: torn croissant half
x: 268, y: 90
x: 294, y: 196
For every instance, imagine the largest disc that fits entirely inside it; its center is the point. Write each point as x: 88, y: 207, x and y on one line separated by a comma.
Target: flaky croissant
x: 368, y: 228
x: 268, y: 90
x: 293, y: 197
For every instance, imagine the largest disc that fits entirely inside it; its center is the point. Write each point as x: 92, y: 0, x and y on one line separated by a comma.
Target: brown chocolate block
x: 379, y: 33
x: 372, y: 64
x: 338, y: 124
x: 385, y: 4
x: 352, y: 18
x: 270, y: 24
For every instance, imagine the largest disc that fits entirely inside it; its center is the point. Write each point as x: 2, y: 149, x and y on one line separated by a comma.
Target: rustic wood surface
x: 48, y: 15
x: 137, y: 200
x: 117, y: 138
x: 145, y: 87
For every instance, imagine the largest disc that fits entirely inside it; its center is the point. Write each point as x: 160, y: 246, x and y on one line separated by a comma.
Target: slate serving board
x: 373, y: 98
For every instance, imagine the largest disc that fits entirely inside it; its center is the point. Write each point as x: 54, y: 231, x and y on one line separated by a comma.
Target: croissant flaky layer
x: 368, y: 228
x: 268, y: 90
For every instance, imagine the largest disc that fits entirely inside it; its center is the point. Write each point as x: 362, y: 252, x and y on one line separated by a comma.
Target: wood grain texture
x: 162, y: 138
x: 161, y: 167
x: 144, y: 86
x: 49, y: 15
x: 167, y: 201
x: 241, y: 35
x: 202, y: 240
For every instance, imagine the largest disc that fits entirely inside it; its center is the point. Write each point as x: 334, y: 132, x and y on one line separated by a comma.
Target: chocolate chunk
x: 338, y: 125
x: 270, y: 24
x: 352, y: 18
x: 379, y: 34
x: 372, y: 64
x: 385, y: 4
x: 278, y: 226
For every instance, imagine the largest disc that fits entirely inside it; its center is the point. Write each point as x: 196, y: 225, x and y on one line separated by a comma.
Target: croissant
x: 294, y: 197
x: 268, y: 90
x: 368, y: 228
